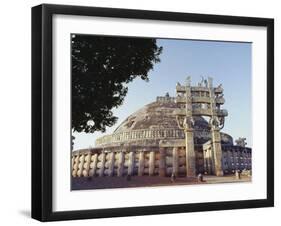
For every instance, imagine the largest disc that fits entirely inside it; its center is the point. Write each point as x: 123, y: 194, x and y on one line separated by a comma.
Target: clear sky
x: 229, y: 63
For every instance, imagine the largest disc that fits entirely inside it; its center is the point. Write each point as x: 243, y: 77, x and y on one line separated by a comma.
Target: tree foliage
x: 101, y: 68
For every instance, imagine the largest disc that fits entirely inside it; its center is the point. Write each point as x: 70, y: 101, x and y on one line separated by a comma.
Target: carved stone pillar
x: 81, y: 165
x: 162, y: 162
x: 141, y: 163
x: 245, y: 159
x: 87, y: 165
x: 205, y: 161
x: 241, y: 159
x: 75, y: 166
x: 111, y: 164
x: 239, y: 154
x: 190, y: 154
x: 151, y: 163
x: 229, y: 162
x: 131, y: 163
x: 93, y: 165
x: 120, y: 164
x: 233, y: 159
x: 210, y: 161
x: 187, y: 123
x: 175, y: 161
x: 248, y: 160
x: 102, y: 164
x: 216, y: 146
x: 72, y: 162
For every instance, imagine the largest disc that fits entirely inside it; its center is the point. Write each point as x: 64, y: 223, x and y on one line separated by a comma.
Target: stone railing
x: 141, y: 134
x: 126, y: 161
x: 165, y: 99
x: 161, y: 161
x: 195, y: 99
x: 155, y: 134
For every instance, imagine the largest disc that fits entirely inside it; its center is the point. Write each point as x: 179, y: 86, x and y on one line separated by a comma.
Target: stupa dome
x: 155, y: 122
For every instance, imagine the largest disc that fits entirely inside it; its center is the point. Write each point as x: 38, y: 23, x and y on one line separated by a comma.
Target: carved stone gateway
x: 202, y: 100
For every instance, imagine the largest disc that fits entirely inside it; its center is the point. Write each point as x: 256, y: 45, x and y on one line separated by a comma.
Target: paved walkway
x: 225, y: 179
x: 146, y: 181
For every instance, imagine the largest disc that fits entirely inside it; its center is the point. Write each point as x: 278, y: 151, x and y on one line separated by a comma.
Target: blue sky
x: 229, y: 63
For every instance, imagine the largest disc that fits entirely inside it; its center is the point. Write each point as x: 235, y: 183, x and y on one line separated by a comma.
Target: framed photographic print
x: 145, y: 112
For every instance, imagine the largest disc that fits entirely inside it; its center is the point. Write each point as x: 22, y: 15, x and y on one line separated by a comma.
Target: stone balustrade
x: 139, y: 135
x: 159, y: 161
x: 195, y: 99
x: 156, y: 134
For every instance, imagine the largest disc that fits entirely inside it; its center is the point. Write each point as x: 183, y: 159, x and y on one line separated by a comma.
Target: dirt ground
x: 82, y: 183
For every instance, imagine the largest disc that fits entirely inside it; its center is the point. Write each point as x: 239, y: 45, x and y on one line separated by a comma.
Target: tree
x: 101, y: 68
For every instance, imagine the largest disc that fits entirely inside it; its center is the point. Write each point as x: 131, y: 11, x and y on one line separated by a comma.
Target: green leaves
x: 101, y: 66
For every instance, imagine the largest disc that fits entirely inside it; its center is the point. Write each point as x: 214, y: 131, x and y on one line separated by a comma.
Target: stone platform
x: 84, y: 183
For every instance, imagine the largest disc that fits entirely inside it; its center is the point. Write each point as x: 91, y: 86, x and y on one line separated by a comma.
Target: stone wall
x: 155, y: 161
x: 116, y: 162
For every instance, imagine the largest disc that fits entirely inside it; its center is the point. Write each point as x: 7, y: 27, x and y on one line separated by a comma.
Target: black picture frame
x: 42, y: 111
